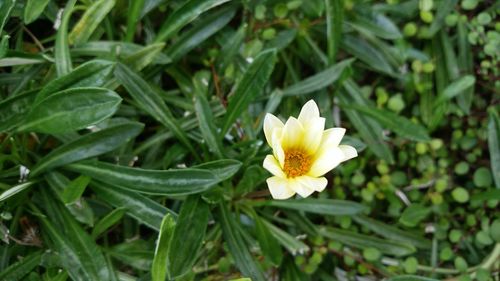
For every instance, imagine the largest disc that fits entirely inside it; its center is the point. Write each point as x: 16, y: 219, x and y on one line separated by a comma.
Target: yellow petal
x: 271, y: 123
x: 332, y: 137
x: 313, y: 132
x: 300, y: 188
x: 317, y: 184
x: 293, y: 134
x: 327, y: 159
x: 349, y: 152
x: 279, y: 188
x: 273, y: 166
x: 309, y: 112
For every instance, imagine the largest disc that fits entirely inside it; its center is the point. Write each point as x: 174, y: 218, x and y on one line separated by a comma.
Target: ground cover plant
x: 132, y: 141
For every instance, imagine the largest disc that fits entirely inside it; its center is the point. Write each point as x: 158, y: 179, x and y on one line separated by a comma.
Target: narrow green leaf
x: 15, y: 190
x: 456, y: 87
x: 4, y: 45
x: 392, y: 233
x: 250, y: 86
x: 207, y: 27
x: 494, y: 144
x: 160, y: 265
x: 133, y: 17
x: 80, y: 256
x: 411, y: 278
x: 318, y: 81
x: 90, y: 74
x: 107, y: 222
x: 18, y: 270
x: 369, y: 130
x: 230, y: 48
x: 362, y: 241
x: 334, y: 19
x: 290, y: 243
x: 89, y: 21
x: 150, y: 101
x: 223, y: 169
x: 376, y: 24
x: 414, y: 214
x: 34, y: 9
x: 367, y: 53
x: 13, y: 110
x: 141, y: 208
x: 127, y: 51
x: 89, y: 145
x: 61, y: 52
x: 5, y: 10
x: 188, y: 236
x: 331, y: 207
x: 466, y: 65
x: 204, y: 114
x: 170, y: 182
x: 267, y: 242
x: 71, y: 110
x: 444, y: 8
x: 184, y: 15
x: 237, y: 246
x: 75, y: 189
x: 145, y: 56
x: 394, y: 122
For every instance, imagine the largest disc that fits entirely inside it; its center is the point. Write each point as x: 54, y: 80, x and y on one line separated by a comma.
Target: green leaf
x: 230, y: 48
x: 4, y: 45
x: 250, y: 86
x: 394, y: 122
x: 90, y: 20
x: 71, y: 110
x: 457, y: 87
x: 367, y: 53
x: 75, y: 189
x: 223, y: 169
x: 466, y: 65
x: 334, y: 19
x: 80, y: 256
x: 15, y: 190
x: 291, y: 244
x: 369, y: 130
x: 267, y: 242
x: 321, y: 206
x: 133, y: 17
x: 13, y: 110
x: 141, y: 208
x: 150, y: 101
x: 376, y: 24
x: 392, y: 232
x: 145, y: 56
x: 89, y: 145
x: 5, y: 10
x: 107, y: 222
x: 90, y: 74
x: 160, y: 265
x: 237, y: 246
x: 204, y: 114
x: 188, y: 236
x: 362, y: 241
x: 18, y: 270
x: 494, y: 144
x: 34, y: 9
x: 411, y: 278
x: 184, y: 15
x: 61, y: 52
x: 170, y: 182
x: 206, y: 27
x: 414, y: 214
x: 318, y: 81
x: 443, y: 9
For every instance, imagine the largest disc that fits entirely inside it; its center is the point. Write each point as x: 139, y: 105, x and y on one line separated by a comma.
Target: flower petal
x: 326, y: 159
x: 279, y: 188
x: 309, y: 111
x: 271, y: 122
x: 317, y: 184
x: 301, y: 189
x: 278, y: 151
x: 349, y: 152
x: 332, y: 137
x: 273, y: 166
x: 313, y: 132
x: 293, y: 134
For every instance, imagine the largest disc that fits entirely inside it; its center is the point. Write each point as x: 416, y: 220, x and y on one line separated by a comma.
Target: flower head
x: 303, y: 151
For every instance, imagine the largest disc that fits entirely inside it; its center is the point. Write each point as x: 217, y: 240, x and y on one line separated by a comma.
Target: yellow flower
x: 303, y: 151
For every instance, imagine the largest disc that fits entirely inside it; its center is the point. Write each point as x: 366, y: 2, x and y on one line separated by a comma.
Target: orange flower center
x: 297, y: 163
